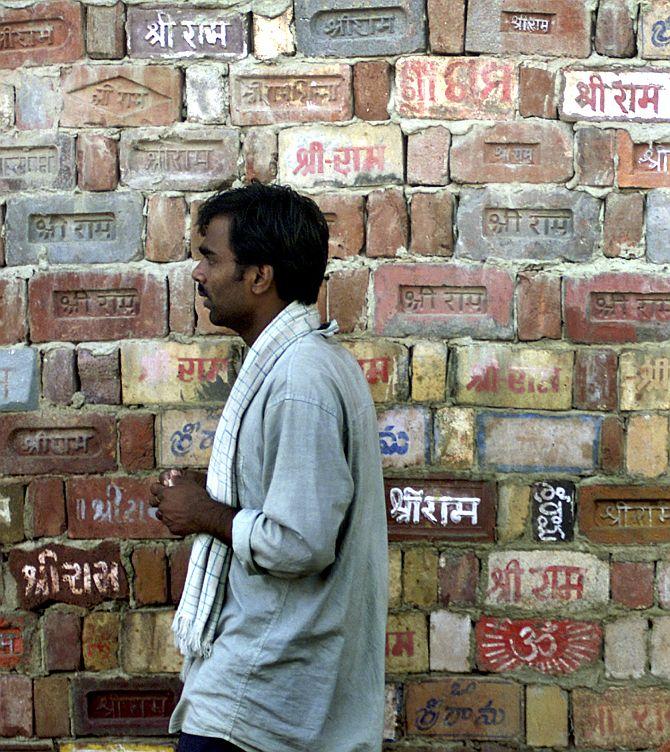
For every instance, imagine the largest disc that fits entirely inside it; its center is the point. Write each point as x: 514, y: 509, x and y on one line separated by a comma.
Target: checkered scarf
x: 201, y: 602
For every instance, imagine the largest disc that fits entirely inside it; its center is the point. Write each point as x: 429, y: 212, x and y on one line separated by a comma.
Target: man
x: 284, y: 637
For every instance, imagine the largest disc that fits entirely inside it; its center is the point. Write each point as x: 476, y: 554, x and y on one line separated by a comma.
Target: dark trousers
x: 194, y: 743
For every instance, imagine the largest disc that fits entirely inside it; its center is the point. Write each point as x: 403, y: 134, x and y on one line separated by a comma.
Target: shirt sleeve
x: 310, y: 488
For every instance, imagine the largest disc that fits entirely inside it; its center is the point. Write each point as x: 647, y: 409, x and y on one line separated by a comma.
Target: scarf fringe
x: 190, y: 642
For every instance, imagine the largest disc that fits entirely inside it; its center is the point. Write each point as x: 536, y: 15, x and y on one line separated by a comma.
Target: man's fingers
x: 163, y: 476
x: 157, y: 491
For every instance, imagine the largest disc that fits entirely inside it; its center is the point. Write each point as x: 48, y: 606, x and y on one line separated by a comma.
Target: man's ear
x: 263, y: 278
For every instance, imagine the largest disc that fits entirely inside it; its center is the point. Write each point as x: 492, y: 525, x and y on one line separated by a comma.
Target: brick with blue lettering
x: 404, y: 436
x: 18, y: 379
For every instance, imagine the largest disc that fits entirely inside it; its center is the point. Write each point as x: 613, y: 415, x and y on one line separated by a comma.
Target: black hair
x: 272, y: 224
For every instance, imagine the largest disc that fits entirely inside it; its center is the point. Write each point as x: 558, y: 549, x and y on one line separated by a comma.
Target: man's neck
x: 262, y: 318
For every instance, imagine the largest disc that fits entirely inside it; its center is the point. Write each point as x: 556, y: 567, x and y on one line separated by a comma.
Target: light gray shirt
x: 298, y: 661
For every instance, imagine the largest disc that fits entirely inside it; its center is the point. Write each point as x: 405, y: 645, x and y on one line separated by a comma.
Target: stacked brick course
x: 496, y: 183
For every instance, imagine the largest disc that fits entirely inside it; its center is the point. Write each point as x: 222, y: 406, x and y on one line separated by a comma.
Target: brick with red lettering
x: 406, y: 643
x: 109, y: 95
x: 595, y: 385
x: 428, y: 156
x: 372, y: 89
x: 84, y: 306
x: 150, y: 583
x: 537, y: 96
x: 46, y: 499
x: 52, y: 706
x: 347, y: 298
x: 538, y: 306
x: 345, y: 215
x: 615, y: 36
x: 136, y: 441
x: 387, y: 226
x: 13, y: 319
x: 456, y: 88
x: 446, y: 26
x: 624, y: 225
x: 16, y: 701
x: 448, y: 300
x: 62, y: 640
x: 97, y: 162
x: 385, y: 366
x: 42, y: 34
x: 432, y: 223
x: 101, y: 640
x: 19, y: 646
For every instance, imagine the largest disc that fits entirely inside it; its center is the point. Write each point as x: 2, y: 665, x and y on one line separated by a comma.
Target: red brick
x: 539, y: 306
x: 47, y: 500
x: 428, y: 156
x: 52, y: 303
x: 179, y: 557
x: 12, y: 311
x: 20, y: 645
x: 615, y: 36
x: 537, y: 97
x: 259, y: 151
x: 97, y: 162
x: 347, y: 298
x: 52, y: 709
x: 595, y: 156
x: 432, y: 223
x: 632, y: 583
x: 595, y: 385
x: 62, y: 640
x: 624, y: 222
x: 16, y: 701
x: 150, y: 567
x: 105, y: 37
x: 99, y: 376
x: 101, y: 640
x: 387, y: 224
x: 611, y: 445
x: 166, y: 228
x: 59, y: 378
x: 136, y: 441
x: 86, y: 102
x: 372, y: 89
x: 446, y: 26
x: 345, y: 214
x: 183, y: 302
x: 631, y: 173
x: 457, y: 577
x: 66, y: 43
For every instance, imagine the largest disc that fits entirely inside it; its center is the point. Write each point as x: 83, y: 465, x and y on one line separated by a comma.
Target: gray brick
x: 658, y: 216
x: 92, y: 228
x: 511, y: 222
x: 18, y: 379
x: 37, y: 160
x: 360, y: 28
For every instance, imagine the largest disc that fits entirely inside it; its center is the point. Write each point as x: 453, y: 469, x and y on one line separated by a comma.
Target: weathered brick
x: 537, y: 97
x: 546, y: 716
x: 663, y: 583
x: 206, y: 94
x: 150, y: 582
x: 372, y: 89
x: 101, y: 640
x: 624, y: 222
x: 350, y: 155
x: 82, y: 306
x: 179, y: 557
x: 458, y: 88
x: 428, y: 156
x: 19, y: 379
x: 38, y: 102
x: 290, y: 93
x: 6, y: 106
x: 566, y: 580
x: 110, y: 95
x: 387, y: 226
x: 345, y: 215
x: 347, y: 298
x: 404, y: 436
x: 136, y: 441
x: 595, y: 386
x: 419, y: 577
x: 432, y: 223
x: 147, y: 645
x: 647, y: 445
x: 552, y: 27
x: 457, y: 577
x: 448, y: 300
x: 644, y: 379
x: 16, y: 701
x: 20, y: 645
x: 183, y: 305
x: 46, y: 498
x: 62, y: 640
x: 510, y: 222
x: 395, y: 577
x: 97, y: 162
x: 273, y: 36
x: 659, y: 648
x: 59, y: 376
x: 385, y: 366
x: 641, y: 164
x: 52, y: 711
x: 99, y: 376
x: 105, y: 38
x: 392, y: 701
x: 449, y: 641
x: 406, y: 643
x: 595, y: 156
x: 166, y: 228
x: 11, y: 514
x: 653, y: 30
x: 633, y: 583
x: 13, y: 318
x: 626, y: 648
x: 614, y: 29
x: 37, y: 160
x: 513, y: 510
x: 259, y: 152
x: 612, y: 445
x: 658, y: 214
x: 185, y: 437
x: 429, y: 371
x: 446, y: 26
x: 454, y: 435
x: 538, y: 306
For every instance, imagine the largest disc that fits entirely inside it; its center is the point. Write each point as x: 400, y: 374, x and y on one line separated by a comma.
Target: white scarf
x: 201, y: 602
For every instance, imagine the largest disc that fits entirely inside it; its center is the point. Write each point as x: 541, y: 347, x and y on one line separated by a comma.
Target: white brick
x: 660, y: 647
x: 206, y: 95
x: 625, y: 648
x: 449, y: 641
x: 272, y: 36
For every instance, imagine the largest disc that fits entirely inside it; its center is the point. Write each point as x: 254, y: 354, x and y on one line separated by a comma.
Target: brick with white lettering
x: 19, y: 379
x: 37, y: 160
x: 553, y: 510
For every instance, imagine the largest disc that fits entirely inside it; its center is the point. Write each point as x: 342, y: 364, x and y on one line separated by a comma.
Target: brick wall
x: 494, y: 179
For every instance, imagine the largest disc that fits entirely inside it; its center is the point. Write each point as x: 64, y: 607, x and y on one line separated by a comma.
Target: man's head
x: 260, y: 242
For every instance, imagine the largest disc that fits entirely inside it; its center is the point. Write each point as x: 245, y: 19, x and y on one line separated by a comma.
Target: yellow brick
x: 395, y: 577
x: 121, y: 746
x: 513, y: 510
x: 429, y: 371
x: 100, y: 639
x: 148, y: 646
x: 385, y: 366
x: 406, y: 643
x: 455, y: 437
x: 647, y: 445
x: 546, y: 716
x: 419, y: 576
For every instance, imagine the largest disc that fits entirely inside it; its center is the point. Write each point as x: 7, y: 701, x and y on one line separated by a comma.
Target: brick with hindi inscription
x: 617, y: 307
x: 111, y: 507
x: 527, y: 223
x: 446, y: 300
x: 541, y: 27
x: 37, y: 160
x: 406, y: 643
x: 642, y: 165
x: 625, y: 514
x: 456, y: 88
x: 436, y: 507
x: 43, y: 34
x: 465, y: 707
x: 83, y: 306
x: 630, y: 95
x: 294, y: 92
x: 191, y: 158
x: 565, y: 580
x: 553, y: 510
x: 65, y: 574
x: 517, y: 152
x: 644, y: 379
x: 404, y: 436
x: 503, y: 376
x: 356, y: 154
x: 551, y: 646
x: 536, y: 442
x: 17, y: 640
x: 170, y: 32
x: 66, y: 228
x: 57, y: 442
x: 175, y: 372
x: 359, y: 28
x: 385, y: 366
x: 185, y: 437
x: 621, y: 717
x: 654, y: 30
x: 19, y: 379
x: 110, y: 705
x: 110, y: 95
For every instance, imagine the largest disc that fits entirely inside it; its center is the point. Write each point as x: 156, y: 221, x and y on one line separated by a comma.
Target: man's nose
x: 197, y: 274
